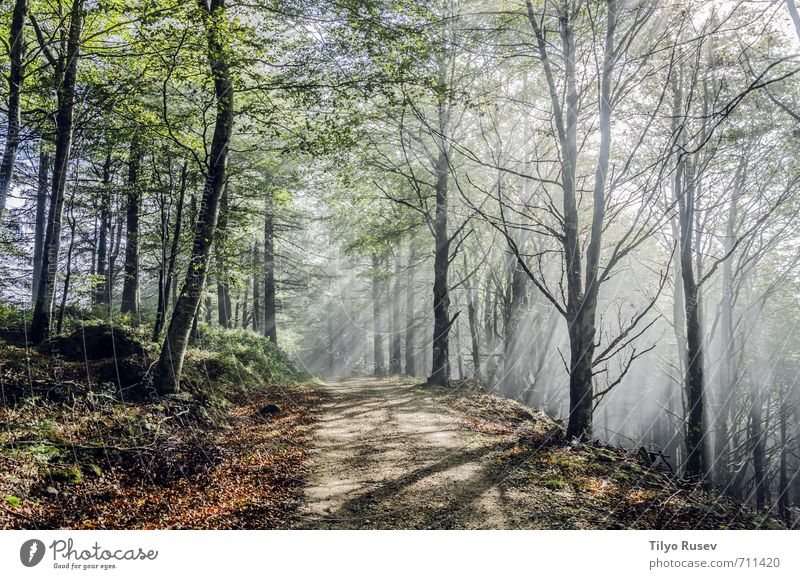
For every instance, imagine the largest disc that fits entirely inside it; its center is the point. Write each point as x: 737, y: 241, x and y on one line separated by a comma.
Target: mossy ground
x: 593, y: 486
x: 87, y: 444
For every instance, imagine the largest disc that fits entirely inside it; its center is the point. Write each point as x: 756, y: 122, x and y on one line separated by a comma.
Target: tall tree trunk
x: 208, y: 309
x: 783, y: 478
x: 256, y: 288
x: 488, y: 327
x: 579, y: 420
x: 16, y: 56
x: 727, y: 369
x: 581, y: 303
x: 130, y: 284
x: 66, y: 72
x: 696, y: 460
x: 223, y: 284
x: 512, y: 346
x: 245, y: 300
x: 582, y: 329
x: 440, y: 366
x: 194, y: 333
x: 41, y: 220
x: 397, y: 339
x: 116, y: 245
x: 459, y: 356
x: 163, y: 296
x: 270, y: 327
x: 331, y: 346
x: 68, y: 273
x: 101, y: 293
x: 170, y: 363
x: 758, y: 446
x: 377, y: 336
x: 410, y: 338
x: 440, y: 350
x: 169, y: 277
x: 474, y: 330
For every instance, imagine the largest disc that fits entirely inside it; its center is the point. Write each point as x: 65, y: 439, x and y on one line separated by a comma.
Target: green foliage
x: 13, y: 501
x: 249, y: 359
x: 12, y: 317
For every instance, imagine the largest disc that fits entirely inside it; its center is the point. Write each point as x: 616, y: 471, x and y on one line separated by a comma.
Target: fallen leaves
x: 245, y: 473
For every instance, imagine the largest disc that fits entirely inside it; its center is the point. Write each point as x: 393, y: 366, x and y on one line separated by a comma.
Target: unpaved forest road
x: 390, y: 455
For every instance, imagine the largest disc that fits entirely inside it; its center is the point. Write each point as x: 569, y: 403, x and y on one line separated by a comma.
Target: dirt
x: 389, y: 454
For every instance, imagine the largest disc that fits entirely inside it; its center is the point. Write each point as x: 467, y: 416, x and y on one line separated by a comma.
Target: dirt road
x: 390, y: 455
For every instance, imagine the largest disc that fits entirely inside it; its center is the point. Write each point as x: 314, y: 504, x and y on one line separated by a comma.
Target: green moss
x: 93, y: 469
x: 13, y: 501
x: 554, y: 483
x: 604, y: 455
x: 622, y: 476
x: 71, y: 475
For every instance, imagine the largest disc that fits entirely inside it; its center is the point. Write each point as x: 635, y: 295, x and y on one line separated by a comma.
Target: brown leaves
x: 246, y: 474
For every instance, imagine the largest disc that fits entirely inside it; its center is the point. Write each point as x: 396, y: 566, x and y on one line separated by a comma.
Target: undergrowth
x: 87, y: 443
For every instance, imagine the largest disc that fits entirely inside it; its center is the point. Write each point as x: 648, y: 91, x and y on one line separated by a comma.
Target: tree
x: 65, y: 68
x: 16, y: 55
x: 167, y: 372
x: 130, y: 287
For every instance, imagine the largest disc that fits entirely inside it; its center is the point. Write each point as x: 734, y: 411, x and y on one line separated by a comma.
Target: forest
x: 526, y: 263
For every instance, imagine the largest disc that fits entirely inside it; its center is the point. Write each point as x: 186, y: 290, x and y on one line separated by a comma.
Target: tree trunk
x: 256, y: 288
x: 488, y: 328
x: 161, y: 305
x: 68, y: 273
x: 411, y: 365
x: 581, y: 302
x: 130, y: 284
x: 377, y: 337
x: 68, y: 65
x: 440, y: 366
x: 245, y: 306
x: 457, y: 338
x: 440, y: 346
x: 208, y: 309
x: 727, y: 368
x: 16, y: 56
x: 116, y: 245
x: 331, y: 346
x: 223, y: 284
x: 270, y: 327
x: 696, y: 460
x: 397, y: 339
x: 513, y: 352
x: 41, y: 220
x: 579, y: 422
x: 101, y: 292
x: 170, y: 363
x: 758, y: 446
x: 169, y: 278
x: 783, y: 479
x: 472, y: 318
